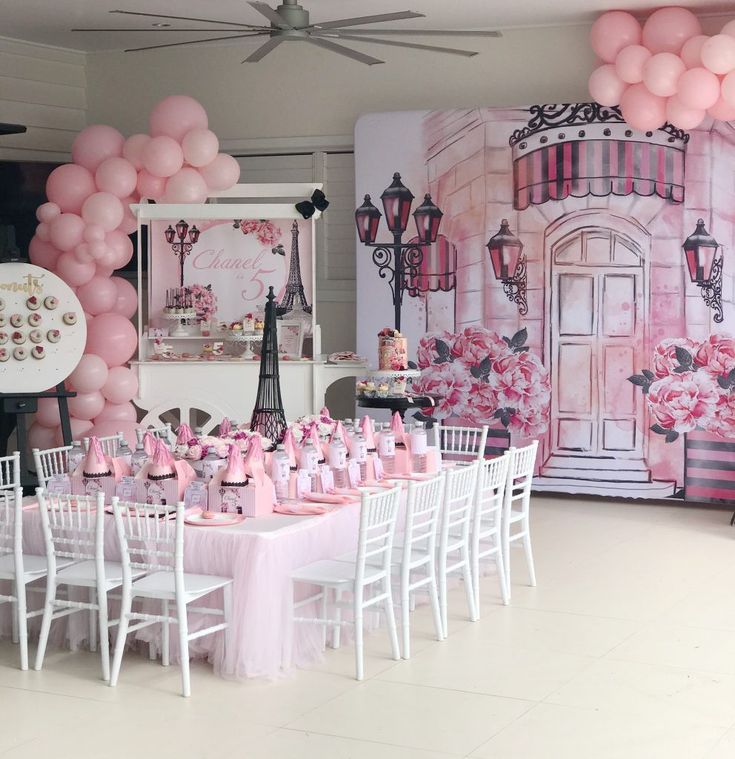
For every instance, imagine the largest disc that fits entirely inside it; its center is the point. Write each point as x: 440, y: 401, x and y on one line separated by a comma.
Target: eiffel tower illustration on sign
x: 294, y: 294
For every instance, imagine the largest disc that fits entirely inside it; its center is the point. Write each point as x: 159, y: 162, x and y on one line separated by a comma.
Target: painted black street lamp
x: 183, y: 247
x: 509, y: 265
x: 705, y: 267
x: 397, y: 261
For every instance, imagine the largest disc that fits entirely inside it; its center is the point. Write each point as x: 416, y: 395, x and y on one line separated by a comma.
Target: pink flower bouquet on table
x: 205, y: 302
x: 266, y: 231
x: 691, y: 386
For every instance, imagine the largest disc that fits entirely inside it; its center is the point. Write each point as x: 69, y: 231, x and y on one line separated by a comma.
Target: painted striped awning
x: 438, y: 268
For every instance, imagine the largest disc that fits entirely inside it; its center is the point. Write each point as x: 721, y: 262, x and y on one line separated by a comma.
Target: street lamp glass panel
x: 427, y: 217
x: 194, y: 234
x: 699, y: 251
x: 505, y: 251
x: 397, y: 201
x: 170, y: 234
x: 181, y: 229
x: 367, y: 219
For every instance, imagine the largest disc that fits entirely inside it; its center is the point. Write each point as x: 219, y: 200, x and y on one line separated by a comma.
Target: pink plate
x: 197, y: 520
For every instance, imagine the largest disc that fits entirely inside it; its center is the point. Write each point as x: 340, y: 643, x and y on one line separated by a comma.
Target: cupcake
x: 383, y: 390
x: 35, y: 319
x: 236, y: 327
x: 50, y: 302
x: 35, y: 335
x: 70, y: 318
x: 33, y: 303
x: 53, y: 335
x: 4, y: 354
x: 259, y: 325
x: 20, y: 354
x: 18, y: 338
x: 95, y: 464
x: 370, y: 389
x: 16, y: 320
x: 3, y: 338
x: 38, y: 351
x: 360, y: 387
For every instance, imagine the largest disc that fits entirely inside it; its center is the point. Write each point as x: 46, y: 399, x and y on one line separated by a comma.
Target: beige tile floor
x: 625, y: 649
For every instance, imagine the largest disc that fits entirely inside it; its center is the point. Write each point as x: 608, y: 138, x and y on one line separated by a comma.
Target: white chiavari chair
x: 10, y: 471
x: 453, y: 555
x: 164, y: 433
x: 152, y: 542
x: 109, y: 443
x: 486, y: 535
x: 517, y: 507
x: 49, y: 462
x: 367, y: 579
x: 460, y: 443
x: 73, y: 531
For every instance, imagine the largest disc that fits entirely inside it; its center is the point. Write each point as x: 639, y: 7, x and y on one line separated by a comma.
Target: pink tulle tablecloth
x: 259, y: 554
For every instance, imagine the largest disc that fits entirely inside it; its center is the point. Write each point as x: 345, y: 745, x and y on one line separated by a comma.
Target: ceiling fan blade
x: 395, y: 43
x: 188, y: 18
x: 195, y: 42
x: 365, y: 20
x: 342, y: 50
x: 264, y: 49
x: 270, y: 14
x: 120, y: 29
x: 426, y: 32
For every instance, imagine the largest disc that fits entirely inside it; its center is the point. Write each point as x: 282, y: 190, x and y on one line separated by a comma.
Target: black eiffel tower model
x: 268, y: 417
x: 294, y: 287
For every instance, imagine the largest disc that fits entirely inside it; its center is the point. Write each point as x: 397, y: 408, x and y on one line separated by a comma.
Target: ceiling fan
x: 289, y: 22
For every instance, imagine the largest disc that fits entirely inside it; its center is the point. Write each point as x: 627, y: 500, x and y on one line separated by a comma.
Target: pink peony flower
x: 522, y: 379
x: 716, y: 355
x: 248, y: 226
x: 682, y: 402
x: 451, y: 384
x: 664, y: 354
x: 530, y: 420
x: 474, y: 344
x: 483, y: 399
x: 722, y: 423
x: 426, y: 353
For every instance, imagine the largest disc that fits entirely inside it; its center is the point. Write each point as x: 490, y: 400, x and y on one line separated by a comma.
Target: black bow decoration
x: 318, y: 202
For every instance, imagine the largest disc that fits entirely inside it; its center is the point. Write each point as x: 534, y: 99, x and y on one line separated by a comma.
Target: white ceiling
x: 50, y: 21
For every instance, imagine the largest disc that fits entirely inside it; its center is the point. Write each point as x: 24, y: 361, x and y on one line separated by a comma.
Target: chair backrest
x: 459, y: 502
x: 72, y: 526
x: 423, y: 507
x: 10, y: 471
x: 11, y: 526
x: 491, y: 482
x: 51, y: 461
x: 378, y: 515
x: 109, y: 443
x: 164, y: 433
x: 520, y: 476
x: 460, y: 443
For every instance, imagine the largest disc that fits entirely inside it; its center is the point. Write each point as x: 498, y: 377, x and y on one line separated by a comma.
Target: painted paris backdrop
x: 611, y: 338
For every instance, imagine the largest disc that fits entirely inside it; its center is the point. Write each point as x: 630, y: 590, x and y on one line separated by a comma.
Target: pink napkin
x: 368, y: 432
x: 409, y: 476
x: 254, y: 460
x: 96, y: 464
x: 300, y: 508
x: 399, y: 432
x: 183, y: 434
x: 149, y: 443
x: 225, y: 428
x: 289, y: 445
x: 339, y: 500
x: 339, y: 432
x: 235, y: 469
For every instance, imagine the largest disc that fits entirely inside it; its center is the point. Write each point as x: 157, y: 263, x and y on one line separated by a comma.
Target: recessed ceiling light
x: 161, y: 26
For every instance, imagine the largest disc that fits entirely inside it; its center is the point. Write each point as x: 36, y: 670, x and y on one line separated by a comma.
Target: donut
x: 38, y: 351
x: 16, y: 320
x: 35, y: 335
x: 18, y: 338
x: 4, y: 354
x: 3, y: 338
x: 20, y: 354
x: 35, y: 319
x: 53, y: 335
x: 50, y: 302
x: 70, y: 317
x: 33, y: 303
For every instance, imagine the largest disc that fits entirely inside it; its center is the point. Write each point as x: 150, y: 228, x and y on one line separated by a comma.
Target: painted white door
x: 597, y: 339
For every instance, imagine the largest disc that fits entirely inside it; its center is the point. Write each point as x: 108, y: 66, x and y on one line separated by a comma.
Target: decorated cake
x: 392, y: 350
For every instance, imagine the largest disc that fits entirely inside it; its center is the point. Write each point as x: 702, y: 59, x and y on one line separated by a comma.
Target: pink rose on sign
x: 434, y: 346
x: 723, y: 422
x: 521, y: 377
x: 664, y: 354
x: 474, y: 344
x: 716, y: 355
x: 530, y: 419
x: 451, y: 384
x: 681, y: 402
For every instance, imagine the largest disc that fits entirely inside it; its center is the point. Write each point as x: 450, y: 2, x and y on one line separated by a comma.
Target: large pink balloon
x: 667, y: 29
x: 120, y: 247
x: 629, y: 63
x: 47, y: 212
x: 103, y: 209
x: 133, y: 149
x: 127, y: 298
x: 718, y: 54
x: 86, y: 405
x: 69, y: 186
x: 222, y: 173
x: 90, y: 374
x: 112, y: 337
x: 41, y: 437
x: 43, y: 232
x: 641, y: 109
x: 117, y: 176
x: 698, y: 88
x: 605, y: 86
x: 186, y: 186
x: 96, y: 143
x: 65, y: 231
x: 129, y: 224
x: 728, y: 88
x: 691, y: 51
x: 48, y: 412
x: 121, y: 385
x: 150, y: 186
x: 162, y: 156
x: 94, y: 233
x: 98, y: 295
x: 112, y: 427
x: 43, y: 253
x: 122, y: 412
x: 722, y: 110
x: 83, y: 254
x: 661, y: 73
x: 613, y: 31
x: 73, y: 271
x: 681, y: 116
x: 79, y: 429
x: 176, y: 115
x: 200, y: 147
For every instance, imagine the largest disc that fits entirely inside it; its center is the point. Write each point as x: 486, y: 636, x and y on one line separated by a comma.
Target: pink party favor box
x: 169, y: 491
x: 251, y: 500
x: 81, y: 485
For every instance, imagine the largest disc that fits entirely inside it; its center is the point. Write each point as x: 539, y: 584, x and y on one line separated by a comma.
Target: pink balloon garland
x: 82, y: 236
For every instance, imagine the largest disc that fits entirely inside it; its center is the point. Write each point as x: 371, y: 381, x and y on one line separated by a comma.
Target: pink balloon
x: 728, y: 88
x: 176, y: 115
x: 641, y: 109
x: 98, y: 296
x: 681, y: 116
x: 722, y: 110
x: 718, y: 54
x: 112, y: 337
x: 43, y: 253
x: 103, y: 270
x: 94, y: 144
x: 121, y: 412
x: 162, y: 156
x: 112, y: 427
x: 69, y: 186
x: 186, y: 186
x: 65, y: 231
x: 129, y: 224
x: 222, y: 173
x: 79, y: 428
x: 613, y: 31
x: 73, y: 271
x: 43, y: 232
x: 90, y: 374
x: 47, y: 413
x: 42, y: 437
x: 121, y: 385
x: 103, y: 209
x: 605, y: 86
x: 86, y: 405
x: 120, y: 247
x: 127, y: 298
x: 133, y: 149
x: 47, y: 212
x: 98, y: 249
x: 82, y: 253
x: 117, y: 176
x: 94, y: 233
x: 661, y: 73
x: 629, y: 63
x: 729, y: 28
x: 667, y: 29
x: 200, y: 147
x: 150, y: 186
x: 691, y: 51
x: 698, y: 88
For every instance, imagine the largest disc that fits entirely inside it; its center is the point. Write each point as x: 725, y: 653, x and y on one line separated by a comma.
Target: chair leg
x: 184, y: 646
x: 443, y: 594
x: 104, y: 632
x: 337, y: 631
x: 506, y: 558
x: 435, y: 610
x: 469, y: 592
x: 405, y: 619
x: 92, y: 598
x: 323, y: 612
x: 48, y: 613
x: 390, y: 616
x: 529, y: 556
x: 501, y: 576
x: 126, y: 604
x: 227, y: 616
x: 14, y: 614
x: 165, y: 635
x: 20, y: 594
x: 475, y: 562
x: 359, y: 653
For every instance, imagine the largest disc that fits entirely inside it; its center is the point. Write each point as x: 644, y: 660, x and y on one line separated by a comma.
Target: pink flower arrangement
x: 480, y: 375
x: 205, y: 301
x: 266, y: 231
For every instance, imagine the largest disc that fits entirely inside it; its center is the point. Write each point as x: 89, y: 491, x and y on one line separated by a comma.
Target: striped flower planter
x: 709, y: 468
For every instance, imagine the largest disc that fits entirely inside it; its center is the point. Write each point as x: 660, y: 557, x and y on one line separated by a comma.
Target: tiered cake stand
x: 181, y: 328
x: 248, y: 338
